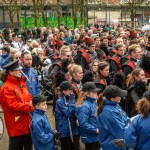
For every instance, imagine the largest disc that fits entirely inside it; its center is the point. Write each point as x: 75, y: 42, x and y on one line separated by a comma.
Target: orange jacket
x: 16, y: 105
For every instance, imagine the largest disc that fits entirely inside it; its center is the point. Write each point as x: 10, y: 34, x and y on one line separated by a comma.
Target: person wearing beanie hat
x: 113, y: 121
x: 41, y: 132
x: 88, y: 121
x: 5, y: 56
x: 66, y: 117
x: 89, y: 55
x: 16, y: 105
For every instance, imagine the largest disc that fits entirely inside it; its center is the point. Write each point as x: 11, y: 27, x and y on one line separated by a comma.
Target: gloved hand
x: 119, y: 142
x: 56, y: 134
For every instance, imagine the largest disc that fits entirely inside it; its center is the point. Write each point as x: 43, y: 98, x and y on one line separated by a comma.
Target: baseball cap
x: 90, y: 87
x: 114, y: 91
x: 65, y: 85
x: 38, y: 98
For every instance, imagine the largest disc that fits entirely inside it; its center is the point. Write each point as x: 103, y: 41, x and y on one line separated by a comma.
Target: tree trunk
x: 81, y: 17
x: 43, y: 14
x: 75, y: 22
x: 74, y: 13
x: 35, y: 13
x: 58, y: 13
x: 132, y: 17
x: 11, y: 21
x: 58, y: 19
x: 44, y: 18
x: 18, y: 18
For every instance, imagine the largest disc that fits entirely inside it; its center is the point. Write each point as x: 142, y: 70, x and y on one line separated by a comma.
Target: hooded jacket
x: 63, y: 111
x: 16, y: 105
x: 138, y: 134
x: 4, y: 59
x: 113, y: 123
x: 88, y: 121
x: 41, y: 132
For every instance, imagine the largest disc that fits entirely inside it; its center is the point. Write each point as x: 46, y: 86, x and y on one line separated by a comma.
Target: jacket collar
x: 90, y: 99
x: 109, y: 102
x: 75, y: 81
x: 66, y: 96
x: 14, y: 80
x: 133, y: 59
x: 25, y: 69
x: 5, y: 56
x: 118, y: 55
x: 39, y: 111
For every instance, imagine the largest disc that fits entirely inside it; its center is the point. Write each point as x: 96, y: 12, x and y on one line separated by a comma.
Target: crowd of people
x: 97, y: 77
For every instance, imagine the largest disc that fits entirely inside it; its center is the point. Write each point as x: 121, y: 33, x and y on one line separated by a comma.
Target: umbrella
x: 146, y: 28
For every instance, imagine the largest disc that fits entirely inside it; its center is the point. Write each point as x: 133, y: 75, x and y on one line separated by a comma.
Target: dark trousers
x: 92, y: 146
x: 67, y: 144
x: 23, y: 142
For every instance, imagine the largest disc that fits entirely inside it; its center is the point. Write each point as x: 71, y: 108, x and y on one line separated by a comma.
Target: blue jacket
x: 41, y: 132
x: 3, y: 60
x: 34, y: 85
x: 68, y: 40
x: 113, y: 123
x: 137, y: 135
x: 88, y: 121
x: 62, y: 112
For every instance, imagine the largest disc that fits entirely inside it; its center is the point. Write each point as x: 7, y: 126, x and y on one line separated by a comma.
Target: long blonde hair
x: 81, y: 98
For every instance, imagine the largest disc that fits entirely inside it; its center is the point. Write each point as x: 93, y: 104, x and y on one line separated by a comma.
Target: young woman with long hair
x: 136, y: 86
x: 92, y: 73
x: 102, y: 80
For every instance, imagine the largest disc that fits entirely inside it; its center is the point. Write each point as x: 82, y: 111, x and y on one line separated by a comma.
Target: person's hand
x: 77, y: 123
x: 119, y: 142
x: 56, y: 134
x: 145, y: 80
x: 97, y: 130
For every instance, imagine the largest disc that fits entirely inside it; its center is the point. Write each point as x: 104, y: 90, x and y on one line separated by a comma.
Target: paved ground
x: 4, y: 140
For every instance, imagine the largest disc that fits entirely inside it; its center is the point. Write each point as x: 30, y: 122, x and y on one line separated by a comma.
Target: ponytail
x: 131, y: 77
x: 81, y: 98
x: 143, y: 107
x: 100, y: 103
x: 130, y: 80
